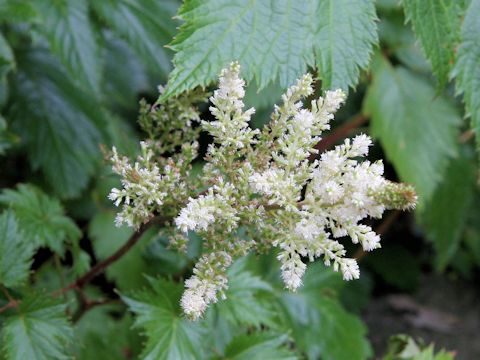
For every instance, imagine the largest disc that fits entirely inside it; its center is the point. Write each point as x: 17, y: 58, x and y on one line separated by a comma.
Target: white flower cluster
x: 208, y: 279
x: 142, y: 190
x: 304, y: 207
x: 202, y: 211
x: 231, y: 128
x: 264, y: 190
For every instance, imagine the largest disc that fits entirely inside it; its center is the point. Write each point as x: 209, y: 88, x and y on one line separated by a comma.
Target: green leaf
x: 259, y: 346
x: 106, y: 238
x: 169, y: 336
x: 41, y: 217
x: 7, y: 139
x: 150, y: 256
x: 15, y: 252
x: 437, y: 26
x: 403, y: 347
x: 150, y: 27
x: 67, y: 27
x: 343, y: 40
x: 467, y: 68
x: 17, y: 11
x: 244, y: 302
x: 125, y: 75
x: 273, y: 40
x: 400, y: 40
x: 445, y: 215
x: 320, y: 325
x: 7, y: 60
x: 417, y: 130
x: 38, y: 330
x: 101, y: 336
x: 57, y: 121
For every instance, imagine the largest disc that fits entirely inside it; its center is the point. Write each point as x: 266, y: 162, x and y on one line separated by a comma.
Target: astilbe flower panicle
x: 264, y: 192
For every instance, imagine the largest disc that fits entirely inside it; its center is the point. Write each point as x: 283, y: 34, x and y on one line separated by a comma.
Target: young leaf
x: 259, y: 346
x: 418, y: 131
x: 437, y: 26
x: 15, y: 252
x: 273, y: 40
x: 37, y: 330
x: 150, y: 27
x: 445, y: 214
x: 40, y: 217
x: 467, y: 68
x: 57, y: 121
x: 169, y: 336
x: 67, y: 27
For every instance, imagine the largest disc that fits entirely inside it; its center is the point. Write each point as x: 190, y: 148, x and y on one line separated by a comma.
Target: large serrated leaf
x: 417, y: 130
x: 343, y: 37
x: 273, y: 40
x: 38, y: 330
x: 146, y: 25
x: 446, y: 213
x: 437, y: 26
x: 244, y: 303
x: 41, y: 217
x: 169, y: 336
x: 467, y: 68
x: 59, y: 123
x: 15, y: 252
x: 67, y: 27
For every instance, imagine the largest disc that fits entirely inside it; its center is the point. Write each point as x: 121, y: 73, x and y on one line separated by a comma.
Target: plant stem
x: 80, y: 282
x: 12, y: 303
x: 339, y: 133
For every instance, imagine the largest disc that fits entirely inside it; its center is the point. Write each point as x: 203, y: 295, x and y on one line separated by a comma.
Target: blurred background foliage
x: 71, y: 75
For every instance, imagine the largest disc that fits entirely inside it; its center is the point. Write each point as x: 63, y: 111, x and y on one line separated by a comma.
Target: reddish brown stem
x: 87, y: 304
x: 11, y: 304
x: 339, y: 134
x: 80, y: 282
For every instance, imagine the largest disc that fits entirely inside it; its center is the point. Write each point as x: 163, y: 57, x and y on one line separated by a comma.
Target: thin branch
x: 12, y: 303
x: 9, y: 305
x: 80, y: 282
x: 86, y: 305
x: 339, y: 133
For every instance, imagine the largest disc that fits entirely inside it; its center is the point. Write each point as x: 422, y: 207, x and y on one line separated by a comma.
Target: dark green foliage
x: 39, y: 330
x: 418, y: 131
x: 40, y: 217
x: 15, y: 252
x: 158, y: 312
